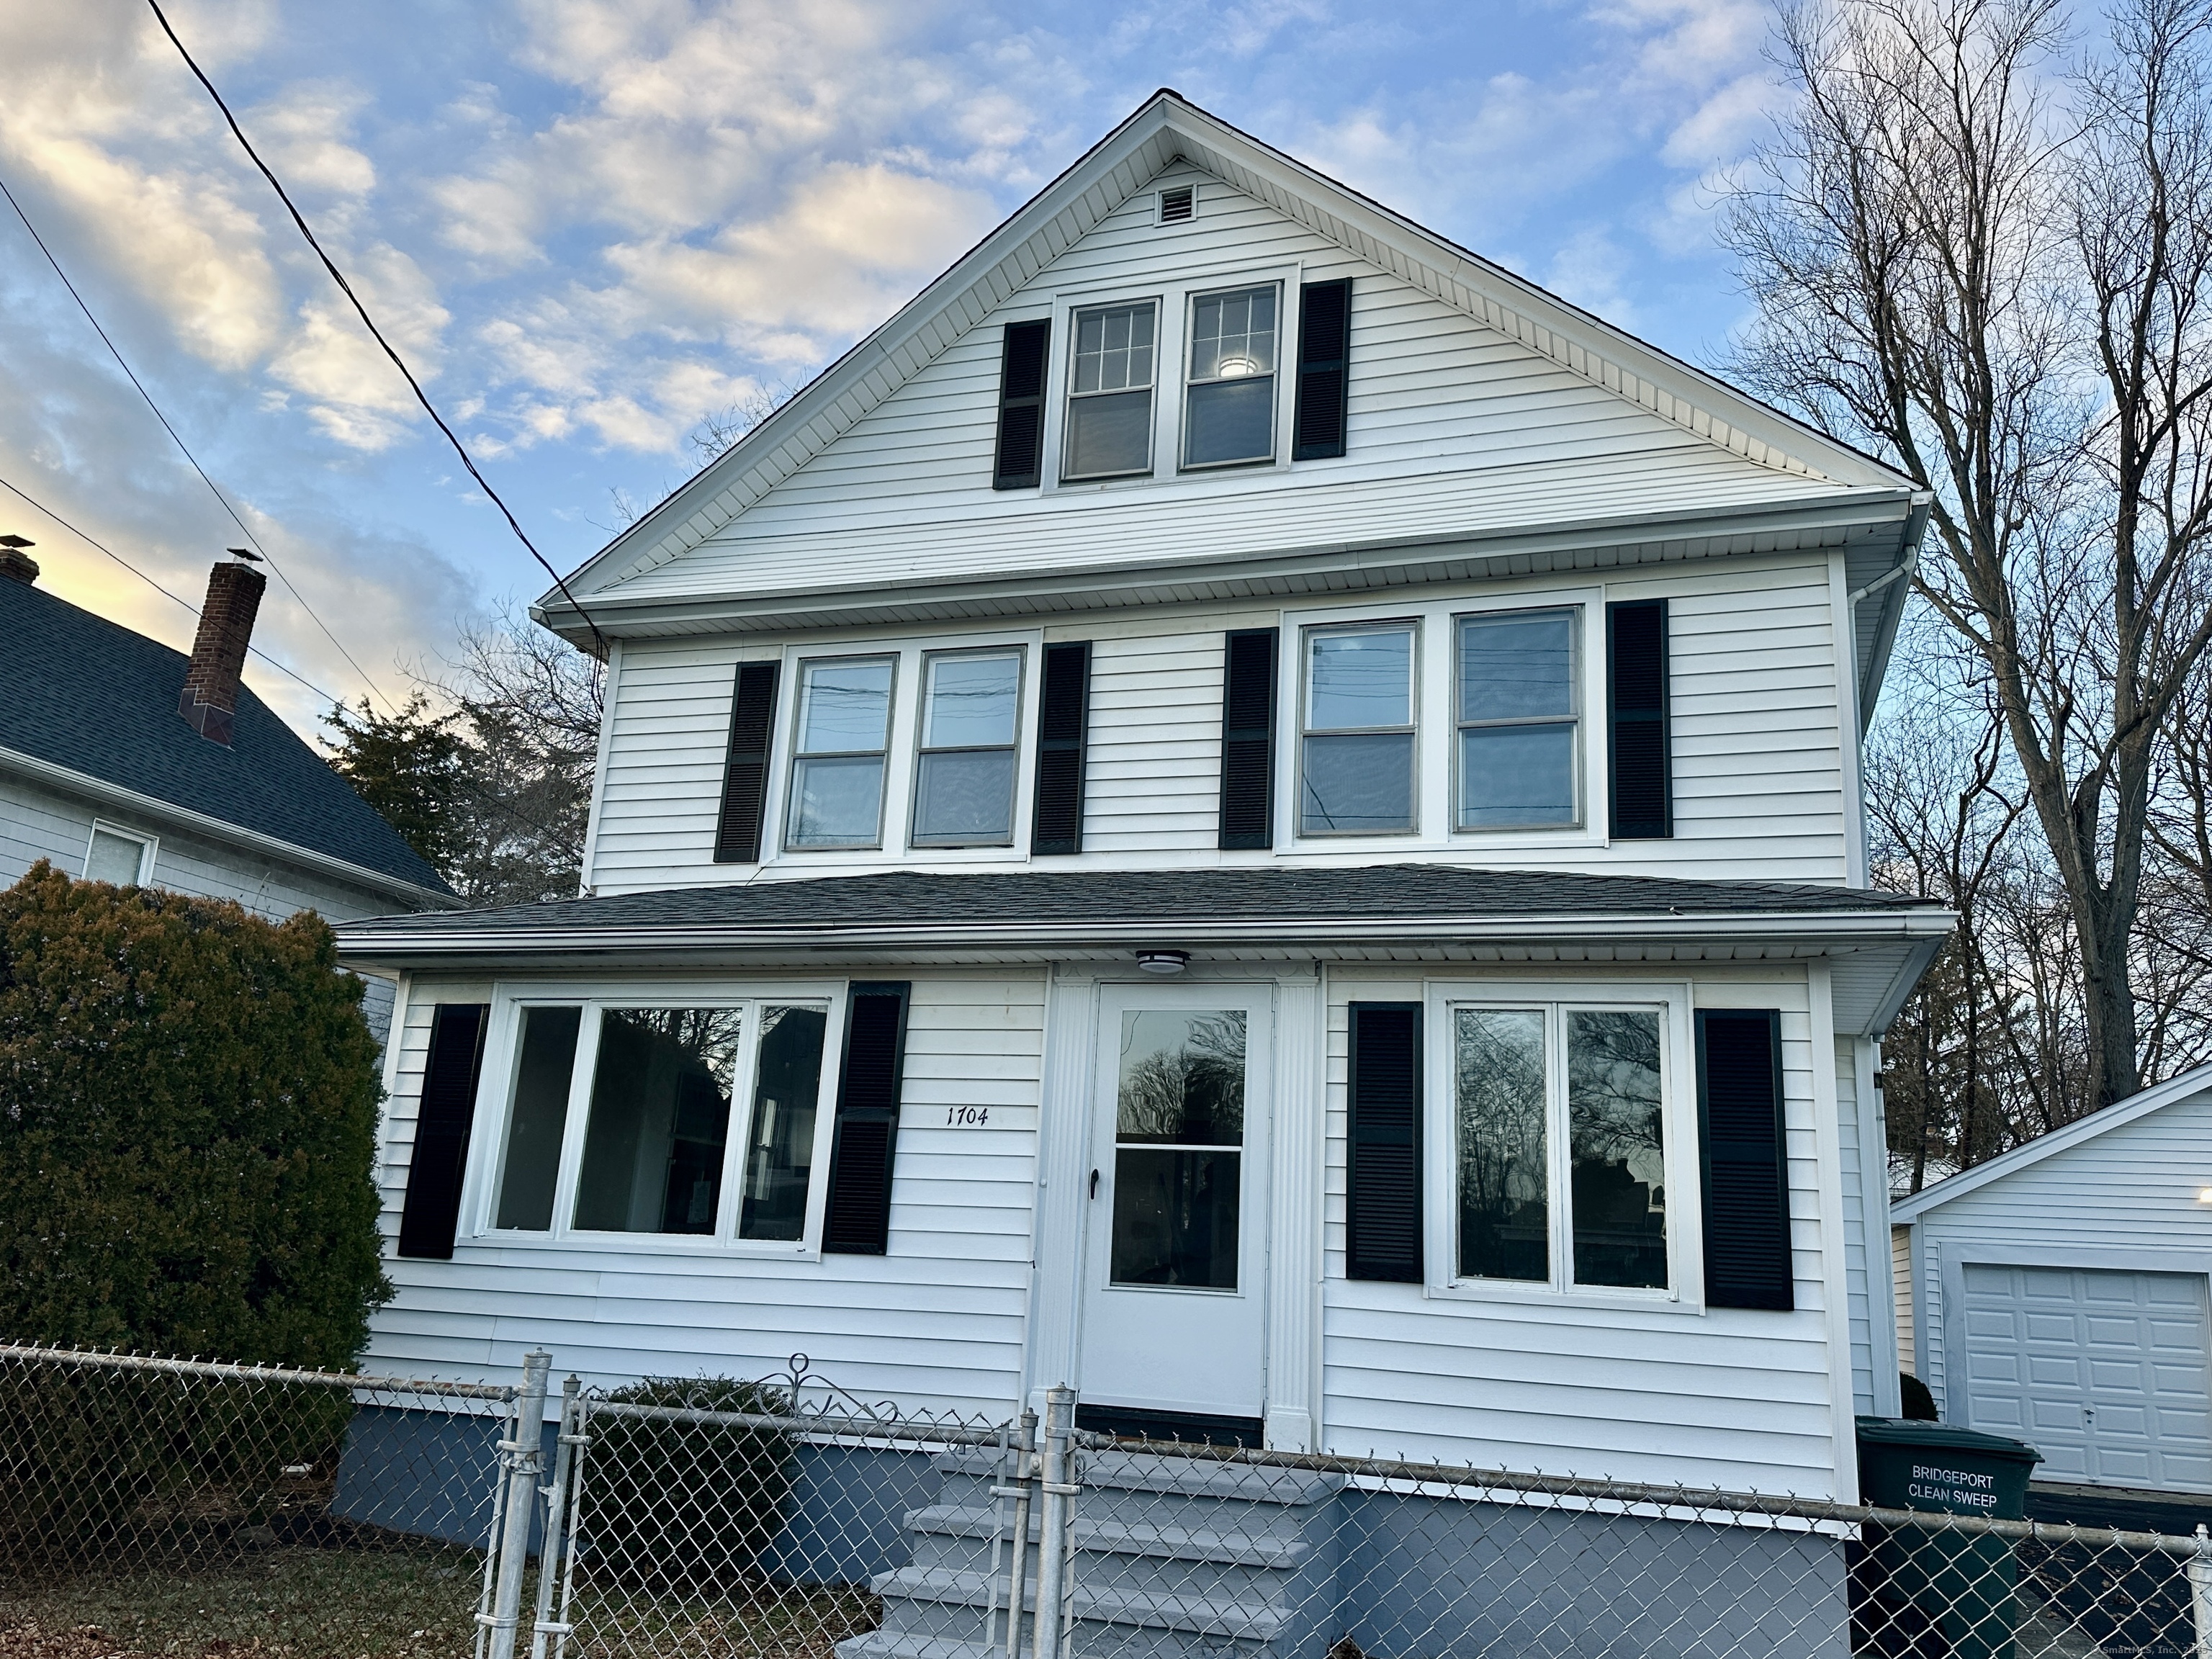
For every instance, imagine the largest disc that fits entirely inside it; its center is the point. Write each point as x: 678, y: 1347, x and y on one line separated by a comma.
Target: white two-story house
x: 1237, y: 808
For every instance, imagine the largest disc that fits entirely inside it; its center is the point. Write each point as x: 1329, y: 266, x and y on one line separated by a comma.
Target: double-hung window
x: 837, y: 767
x: 1559, y: 1160
x: 1229, y: 400
x: 1356, y: 771
x: 1110, y: 393
x: 1518, y: 705
x: 964, y: 778
x: 666, y: 1087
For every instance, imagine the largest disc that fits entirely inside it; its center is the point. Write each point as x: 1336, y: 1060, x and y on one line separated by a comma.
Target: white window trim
x: 495, y: 1100
x: 799, y: 664
x: 909, y: 646
x: 1579, y: 621
x: 1305, y: 637
x: 149, y: 846
x: 1022, y: 677
x: 1436, y: 724
x: 1172, y: 344
x: 1679, y: 1120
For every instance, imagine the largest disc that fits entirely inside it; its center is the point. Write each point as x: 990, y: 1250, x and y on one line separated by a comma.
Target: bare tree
x: 1992, y: 269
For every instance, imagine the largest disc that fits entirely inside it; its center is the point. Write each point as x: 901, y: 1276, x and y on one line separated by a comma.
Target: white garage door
x: 2103, y: 1373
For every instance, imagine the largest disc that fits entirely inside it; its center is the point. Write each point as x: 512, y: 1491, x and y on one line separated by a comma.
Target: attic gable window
x: 1229, y: 407
x: 1110, y: 399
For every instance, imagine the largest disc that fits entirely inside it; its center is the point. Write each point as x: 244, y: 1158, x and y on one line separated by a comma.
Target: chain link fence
x: 157, y: 1506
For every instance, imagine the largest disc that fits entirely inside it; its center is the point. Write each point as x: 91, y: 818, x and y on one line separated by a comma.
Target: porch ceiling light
x: 1163, y: 962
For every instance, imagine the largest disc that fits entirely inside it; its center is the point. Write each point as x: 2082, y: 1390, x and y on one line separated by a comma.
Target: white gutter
x: 184, y: 817
x: 1851, y: 928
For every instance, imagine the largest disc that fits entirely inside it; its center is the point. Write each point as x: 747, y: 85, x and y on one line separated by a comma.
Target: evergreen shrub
x: 682, y: 1505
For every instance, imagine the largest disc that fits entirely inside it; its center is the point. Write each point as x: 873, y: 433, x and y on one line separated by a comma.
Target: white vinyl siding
x: 1662, y: 1393
x: 1452, y: 428
x: 1900, y: 1279
x: 1858, y: 1286
x: 936, y: 1322
x: 1759, y: 765
x: 2124, y: 1198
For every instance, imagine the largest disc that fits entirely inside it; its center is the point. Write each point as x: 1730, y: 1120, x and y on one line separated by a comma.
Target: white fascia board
x: 2120, y: 1112
x: 1856, y: 929
x: 1101, y: 180
x: 72, y: 781
x: 1876, y: 667
x: 1254, y: 573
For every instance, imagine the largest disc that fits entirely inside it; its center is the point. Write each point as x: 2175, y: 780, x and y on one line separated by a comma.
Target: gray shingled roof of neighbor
x: 1075, y: 900
x: 89, y: 695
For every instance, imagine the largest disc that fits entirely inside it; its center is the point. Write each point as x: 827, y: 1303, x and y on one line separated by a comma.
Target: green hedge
x: 188, y: 1100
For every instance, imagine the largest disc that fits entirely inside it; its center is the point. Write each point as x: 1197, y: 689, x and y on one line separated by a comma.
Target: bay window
x: 1356, y: 761
x: 1559, y: 1156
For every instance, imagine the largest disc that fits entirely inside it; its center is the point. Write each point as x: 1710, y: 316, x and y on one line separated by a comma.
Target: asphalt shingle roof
x: 79, y: 692
x: 1161, y: 897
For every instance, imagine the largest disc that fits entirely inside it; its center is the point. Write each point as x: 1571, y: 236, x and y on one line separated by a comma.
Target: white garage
x: 2062, y: 1294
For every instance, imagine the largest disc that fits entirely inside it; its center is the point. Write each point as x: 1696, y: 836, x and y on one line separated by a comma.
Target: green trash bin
x: 1943, y: 1592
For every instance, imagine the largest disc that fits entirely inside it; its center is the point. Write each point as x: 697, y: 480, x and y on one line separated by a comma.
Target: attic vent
x: 1178, y: 203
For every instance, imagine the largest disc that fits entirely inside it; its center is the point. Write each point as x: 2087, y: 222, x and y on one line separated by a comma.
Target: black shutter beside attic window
x: 864, y: 1142
x: 1743, y: 1158
x: 1641, y: 761
x: 745, y: 778
x: 1382, y: 1159
x: 1021, y: 406
x: 1063, y: 727
x: 432, y: 1211
x: 1248, y: 739
x: 1324, y: 366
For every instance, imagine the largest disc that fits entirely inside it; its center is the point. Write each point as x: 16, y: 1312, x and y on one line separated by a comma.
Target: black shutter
x: 867, y: 1136
x: 1021, y: 406
x: 1063, y: 727
x: 1324, y: 368
x: 1382, y: 1159
x: 433, y: 1209
x: 745, y: 776
x: 1743, y: 1159
x: 1636, y: 703
x: 1248, y: 740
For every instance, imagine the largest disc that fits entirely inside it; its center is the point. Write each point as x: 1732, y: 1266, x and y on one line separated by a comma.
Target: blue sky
x: 590, y: 222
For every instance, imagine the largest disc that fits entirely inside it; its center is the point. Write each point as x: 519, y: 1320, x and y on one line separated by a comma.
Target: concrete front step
x: 1229, y: 1547
x: 939, y: 1602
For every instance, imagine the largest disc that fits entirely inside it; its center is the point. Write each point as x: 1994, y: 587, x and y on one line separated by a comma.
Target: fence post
x: 1052, y: 1541
x: 2200, y: 1592
x: 524, y: 1458
x: 556, y: 1498
x: 1018, y: 1570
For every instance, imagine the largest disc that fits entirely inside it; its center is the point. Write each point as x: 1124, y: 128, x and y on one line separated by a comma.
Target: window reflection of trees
x: 1183, y: 1077
x: 708, y: 1035
x: 1503, y: 1174
x: 1612, y: 1085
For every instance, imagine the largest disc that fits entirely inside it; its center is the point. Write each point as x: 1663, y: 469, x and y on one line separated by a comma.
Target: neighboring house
x: 124, y: 760
x: 1237, y: 807
x: 2057, y: 1293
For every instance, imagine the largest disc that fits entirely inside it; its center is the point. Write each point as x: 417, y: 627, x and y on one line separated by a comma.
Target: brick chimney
x: 15, y: 564
x: 210, y: 695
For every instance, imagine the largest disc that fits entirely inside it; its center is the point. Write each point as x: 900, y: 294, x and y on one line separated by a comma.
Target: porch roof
x: 1388, y: 912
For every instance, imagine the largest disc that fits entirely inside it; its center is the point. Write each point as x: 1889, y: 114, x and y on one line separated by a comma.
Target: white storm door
x: 2103, y: 1373
x: 1175, y: 1290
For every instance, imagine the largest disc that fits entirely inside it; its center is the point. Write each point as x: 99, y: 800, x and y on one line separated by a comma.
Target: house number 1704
x: 966, y: 1117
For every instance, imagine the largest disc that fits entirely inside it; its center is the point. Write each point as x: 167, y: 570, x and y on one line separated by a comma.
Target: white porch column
x: 1294, y: 1254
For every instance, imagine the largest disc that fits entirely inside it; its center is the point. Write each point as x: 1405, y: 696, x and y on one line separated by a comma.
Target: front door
x: 1174, y: 1293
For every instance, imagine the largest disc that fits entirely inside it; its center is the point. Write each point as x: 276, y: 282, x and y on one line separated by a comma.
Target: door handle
x: 1094, y: 1183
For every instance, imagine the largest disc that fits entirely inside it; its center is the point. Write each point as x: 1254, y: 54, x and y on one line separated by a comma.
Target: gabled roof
x: 2173, y: 1092
x: 1165, y: 128
x: 82, y: 695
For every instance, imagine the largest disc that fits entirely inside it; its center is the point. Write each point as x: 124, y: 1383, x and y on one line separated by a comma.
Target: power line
x: 98, y: 545
x: 369, y: 323
x: 131, y: 375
